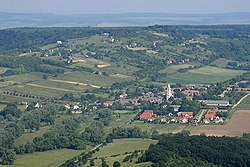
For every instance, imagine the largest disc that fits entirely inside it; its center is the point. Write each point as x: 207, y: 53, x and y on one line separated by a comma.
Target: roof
x: 211, y: 102
x: 147, y: 114
x: 212, y: 111
x: 209, y: 116
x: 185, y: 113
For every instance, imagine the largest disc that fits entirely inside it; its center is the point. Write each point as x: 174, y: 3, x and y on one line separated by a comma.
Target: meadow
x: 48, y: 158
x: 202, y: 75
x: 28, y: 137
x: 119, y: 147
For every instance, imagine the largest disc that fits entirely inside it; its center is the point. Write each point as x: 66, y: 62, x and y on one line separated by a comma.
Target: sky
x: 124, y: 6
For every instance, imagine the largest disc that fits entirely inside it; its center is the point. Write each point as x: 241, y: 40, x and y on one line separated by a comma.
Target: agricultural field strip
x: 48, y: 87
x: 75, y: 83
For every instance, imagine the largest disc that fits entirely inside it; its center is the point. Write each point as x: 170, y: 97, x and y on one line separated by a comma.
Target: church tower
x: 169, y: 92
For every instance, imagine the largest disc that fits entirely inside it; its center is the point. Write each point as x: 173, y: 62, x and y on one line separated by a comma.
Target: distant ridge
x: 11, y: 20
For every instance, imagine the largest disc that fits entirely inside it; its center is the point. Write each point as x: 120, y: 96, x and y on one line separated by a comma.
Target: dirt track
x: 48, y: 87
x: 75, y: 83
x: 239, y: 124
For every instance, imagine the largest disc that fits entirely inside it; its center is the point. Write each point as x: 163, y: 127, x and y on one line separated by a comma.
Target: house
x: 190, y: 92
x: 108, y: 103
x: 59, y: 42
x: 206, y: 121
x: 169, y: 61
x: 164, y: 119
x: 111, y: 40
x: 212, y: 111
x: 123, y: 95
x: 153, y: 99
x: 147, y: 115
x: 67, y: 106
x: 174, y: 120
x: 185, y: 114
x: 175, y: 107
x: 75, y: 107
x: 210, y: 117
x: 105, y: 34
x: 183, y: 120
x: 218, y: 120
x: 38, y: 105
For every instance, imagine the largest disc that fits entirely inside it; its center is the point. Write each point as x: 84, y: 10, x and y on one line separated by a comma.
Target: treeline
x: 22, y: 39
x: 22, y: 65
x: 220, y: 151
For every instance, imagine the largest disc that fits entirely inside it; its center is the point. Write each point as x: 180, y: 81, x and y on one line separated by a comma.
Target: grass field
x: 28, y: 137
x: 239, y: 124
x: 207, y: 74
x: 89, y: 79
x: 221, y: 62
x: 161, y: 128
x: 52, y: 158
x: 120, y: 146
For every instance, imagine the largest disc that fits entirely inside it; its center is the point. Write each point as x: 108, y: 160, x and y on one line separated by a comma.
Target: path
x: 75, y: 83
x: 241, y: 100
x: 48, y: 87
x: 200, y: 116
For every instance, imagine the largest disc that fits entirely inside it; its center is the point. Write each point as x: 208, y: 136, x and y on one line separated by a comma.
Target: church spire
x: 169, y: 92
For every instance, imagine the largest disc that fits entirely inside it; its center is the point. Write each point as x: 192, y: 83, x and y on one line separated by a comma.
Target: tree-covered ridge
x: 220, y: 151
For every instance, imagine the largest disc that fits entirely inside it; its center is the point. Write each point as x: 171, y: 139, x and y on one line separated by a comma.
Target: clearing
x: 221, y: 62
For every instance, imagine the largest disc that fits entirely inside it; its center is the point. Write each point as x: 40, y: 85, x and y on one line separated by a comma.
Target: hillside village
x: 212, y: 111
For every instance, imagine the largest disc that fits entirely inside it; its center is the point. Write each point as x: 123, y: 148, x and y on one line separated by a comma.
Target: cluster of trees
x: 16, y: 123
x: 221, y: 151
x: 133, y: 132
x: 22, y: 65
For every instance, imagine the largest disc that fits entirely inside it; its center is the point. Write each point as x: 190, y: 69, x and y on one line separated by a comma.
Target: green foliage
x: 221, y: 151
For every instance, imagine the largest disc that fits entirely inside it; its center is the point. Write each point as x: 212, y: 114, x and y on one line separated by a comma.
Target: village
x: 210, y: 112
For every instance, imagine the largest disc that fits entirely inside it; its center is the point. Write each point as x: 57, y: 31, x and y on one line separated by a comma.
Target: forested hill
x: 10, y: 20
x: 184, y: 150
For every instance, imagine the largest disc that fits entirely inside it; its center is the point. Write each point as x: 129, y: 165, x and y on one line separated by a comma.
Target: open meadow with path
x: 239, y: 124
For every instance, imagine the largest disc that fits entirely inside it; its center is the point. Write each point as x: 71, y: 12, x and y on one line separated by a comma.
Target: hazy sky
x: 122, y: 6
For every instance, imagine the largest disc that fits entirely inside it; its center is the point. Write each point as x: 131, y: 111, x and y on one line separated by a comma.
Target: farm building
x: 216, y: 103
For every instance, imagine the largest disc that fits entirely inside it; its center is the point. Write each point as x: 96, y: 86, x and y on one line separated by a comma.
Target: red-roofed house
x: 147, y: 115
x: 210, y: 116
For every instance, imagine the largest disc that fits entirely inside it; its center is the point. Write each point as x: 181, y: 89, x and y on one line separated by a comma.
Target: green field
x: 221, y: 62
x: 161, y: 128
x: 89, y: 78
x: 203, y: 75
x: 52, y: 158
x: 120, y: 146
x: 28, y: 137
